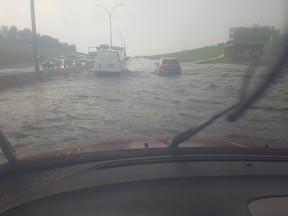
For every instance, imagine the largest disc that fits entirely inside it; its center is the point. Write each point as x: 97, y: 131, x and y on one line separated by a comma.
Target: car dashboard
x: 148, y: 186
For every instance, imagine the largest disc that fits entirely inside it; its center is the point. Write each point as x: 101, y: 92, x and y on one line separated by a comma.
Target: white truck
x: 110, y: 63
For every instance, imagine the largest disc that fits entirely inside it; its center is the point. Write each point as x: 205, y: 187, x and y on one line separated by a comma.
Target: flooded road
x: 82, y: 108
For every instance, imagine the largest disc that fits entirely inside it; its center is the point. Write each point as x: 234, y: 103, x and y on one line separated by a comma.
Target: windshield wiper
x: 7, y: 149
x: 275, y: 72
x: 241, y: 106
x: 182, y: 137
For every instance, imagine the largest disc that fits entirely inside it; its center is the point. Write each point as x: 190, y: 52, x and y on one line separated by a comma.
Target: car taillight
x: 162, y: 66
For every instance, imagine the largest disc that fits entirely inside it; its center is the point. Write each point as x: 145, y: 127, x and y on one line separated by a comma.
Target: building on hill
x: 248, y: 42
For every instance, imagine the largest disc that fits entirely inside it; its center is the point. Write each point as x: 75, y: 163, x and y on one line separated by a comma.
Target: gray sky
x: 152, y: 26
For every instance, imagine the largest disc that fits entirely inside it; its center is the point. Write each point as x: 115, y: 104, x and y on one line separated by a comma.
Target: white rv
x: 110, y: 63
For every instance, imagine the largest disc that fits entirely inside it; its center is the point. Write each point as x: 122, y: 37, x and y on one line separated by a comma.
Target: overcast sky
x: 150, y: 26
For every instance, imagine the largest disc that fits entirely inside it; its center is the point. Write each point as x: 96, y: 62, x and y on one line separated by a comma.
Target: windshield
x: 51, y: 59
x: 121, y: 92
x: 102, y: 56
x: 170, y: 61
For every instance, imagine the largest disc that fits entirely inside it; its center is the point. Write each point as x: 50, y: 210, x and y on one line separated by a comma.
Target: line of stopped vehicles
x: 110, y: 61
x: 66, y: 61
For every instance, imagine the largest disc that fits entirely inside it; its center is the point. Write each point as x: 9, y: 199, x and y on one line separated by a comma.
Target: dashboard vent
x: 21, y: 182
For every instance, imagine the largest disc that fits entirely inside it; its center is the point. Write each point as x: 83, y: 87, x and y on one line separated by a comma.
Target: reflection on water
x: 140, y: 104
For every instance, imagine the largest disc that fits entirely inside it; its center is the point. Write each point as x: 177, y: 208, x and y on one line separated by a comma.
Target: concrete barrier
x: 29, y: 78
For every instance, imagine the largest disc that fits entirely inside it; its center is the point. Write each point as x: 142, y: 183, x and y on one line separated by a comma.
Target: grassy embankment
x: 195, y: 54
x: 270, y: 49
x: 201, y: 54
x: 229, y: 61
x: 14, y: 52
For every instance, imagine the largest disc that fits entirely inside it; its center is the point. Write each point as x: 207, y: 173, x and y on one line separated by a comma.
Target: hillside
x: 207, y: 55
x: 19, y: 52
x: 195, y: 54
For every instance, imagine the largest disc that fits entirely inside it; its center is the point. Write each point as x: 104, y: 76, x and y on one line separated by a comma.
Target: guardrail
x: 17, y: 65
x: 29, y: 78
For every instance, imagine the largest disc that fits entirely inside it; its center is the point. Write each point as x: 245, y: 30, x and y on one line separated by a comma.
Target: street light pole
x: 110, y: 19
x: 121, y: 38
x: 125, y: 48
x: 35, y: 48
x: 121, y: 34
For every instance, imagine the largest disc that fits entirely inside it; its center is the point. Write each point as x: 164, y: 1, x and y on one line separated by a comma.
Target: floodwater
x: 83, y: 108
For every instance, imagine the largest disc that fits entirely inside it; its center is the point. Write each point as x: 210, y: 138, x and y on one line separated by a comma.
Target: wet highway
x: 82, y: 108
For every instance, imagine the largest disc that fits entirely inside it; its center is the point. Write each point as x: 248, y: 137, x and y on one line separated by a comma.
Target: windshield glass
x: 170, y: 61
x: 106, y: 56
x: 51, y: 59
x: 121, y: 92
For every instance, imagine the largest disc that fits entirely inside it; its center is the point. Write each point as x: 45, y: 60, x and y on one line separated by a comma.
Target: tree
x: 65, y: 46
x: 49, y: 41
x: 13, y: 32
x: 26, y: 35
x: 72, y: 47
x: 4, y: 31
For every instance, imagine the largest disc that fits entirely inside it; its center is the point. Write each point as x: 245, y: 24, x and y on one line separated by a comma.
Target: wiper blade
x: 7, y: 149
x: 275, y: 72
x: 182, y: 137
x: 242, y: 105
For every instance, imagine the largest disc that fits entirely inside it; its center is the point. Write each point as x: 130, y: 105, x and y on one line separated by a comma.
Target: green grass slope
x: 195, y: 54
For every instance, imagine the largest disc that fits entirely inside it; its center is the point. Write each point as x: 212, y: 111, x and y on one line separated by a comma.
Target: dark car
x: 168, y: 66
x: 82, y: 60
x: 70, y: 61
x: 52, y: 63
x: 91, y: 59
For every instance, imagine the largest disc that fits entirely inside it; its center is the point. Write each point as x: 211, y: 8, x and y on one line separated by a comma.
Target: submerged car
x: 52, y: 63
x: 61, y: 58
x: 168, y: 66
x: 81, y: 61
x: 70, y: 61
x: 91, y: 59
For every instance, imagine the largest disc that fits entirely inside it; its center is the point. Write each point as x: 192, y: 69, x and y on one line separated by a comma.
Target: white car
x: 110, y: 63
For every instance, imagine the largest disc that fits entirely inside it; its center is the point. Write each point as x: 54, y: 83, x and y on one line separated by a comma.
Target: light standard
x: 35, y: 48
x: 110, y: 19
x: 121, y: 33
